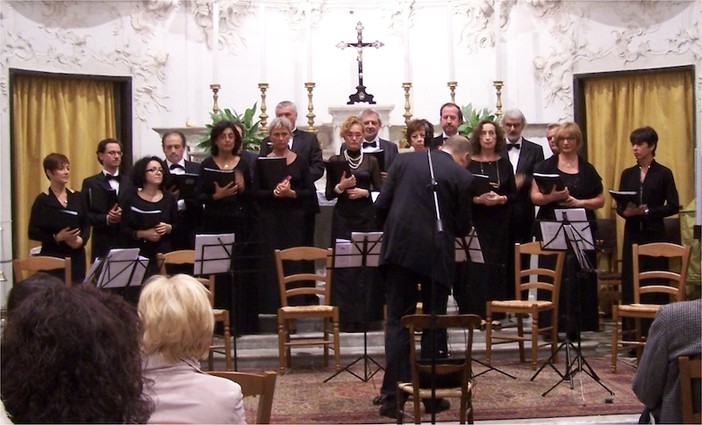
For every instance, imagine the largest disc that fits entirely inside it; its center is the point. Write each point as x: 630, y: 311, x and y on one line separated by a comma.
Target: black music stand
x: 468, y: 249
x: 570, y: 232
x: 363, y: 250
x: 213, y: 255
x: 119, y: 269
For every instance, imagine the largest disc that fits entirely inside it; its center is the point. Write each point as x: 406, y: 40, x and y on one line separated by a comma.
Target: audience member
x: 451, y: 119
x: 73, y: 356
x: 677, y: 331
x: 414, y: 252
x: 24, y: 288
x: 58, y: 218
x: 178, y: 324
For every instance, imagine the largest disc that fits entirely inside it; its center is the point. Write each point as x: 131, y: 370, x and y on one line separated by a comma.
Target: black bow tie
x: 175, y: 166
x: 516, y: 146
x: 370, y: 145
x: 109, y: 177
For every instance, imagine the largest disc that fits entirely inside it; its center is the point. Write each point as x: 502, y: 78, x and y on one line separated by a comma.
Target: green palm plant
x: 252, y: 131
x: 471, y: 117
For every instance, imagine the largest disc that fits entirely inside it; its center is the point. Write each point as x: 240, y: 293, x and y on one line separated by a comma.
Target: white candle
x: 451, y: 47
x: 408, y: 64
x: 215, y: 41
x: 262, y: 9
x: 498, y: 43
x: 308, y: 36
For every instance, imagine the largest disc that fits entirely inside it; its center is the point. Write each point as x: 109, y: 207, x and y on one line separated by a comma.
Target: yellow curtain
x: 62, y: 115
x: 616, y: 105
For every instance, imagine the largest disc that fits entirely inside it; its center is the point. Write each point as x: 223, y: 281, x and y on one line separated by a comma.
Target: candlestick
x: 452, y: 88
x: 215, y: 41
x: 263, y: 127
x: 498, y: 94
x: 310, y: 108
x: 215, y: 95
x: 408, y: 115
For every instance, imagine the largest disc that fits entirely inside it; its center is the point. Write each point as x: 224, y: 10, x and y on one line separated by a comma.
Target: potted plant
x: 471, y: 117
x: 252, y: 132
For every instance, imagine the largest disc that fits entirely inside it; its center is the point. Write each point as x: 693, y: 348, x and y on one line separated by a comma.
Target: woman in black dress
x: 357, y: 291
x: 282, y: 210
x: 490, y: 213
x: 578, y: 309
x: 229, y: 209
x: 657, y: 199
x: 58, y: 219
x: 149, y: 213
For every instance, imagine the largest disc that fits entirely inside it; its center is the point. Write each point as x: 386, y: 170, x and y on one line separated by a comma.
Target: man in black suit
x: 189, y: 209
x: 372, y: 142
x: 523, y: 155
x: 414, y: 252
x: 105, y: 222
x: 451, y: 119
x: 306, y: 145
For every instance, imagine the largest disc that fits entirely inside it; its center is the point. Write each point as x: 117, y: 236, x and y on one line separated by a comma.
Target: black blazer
x: 437, y: 141
x: 183, y: 236
x: 530, y: 155
x: 104, y: 236
x: 306, y: 145
x: 409, y: 237
x: 390, y: 152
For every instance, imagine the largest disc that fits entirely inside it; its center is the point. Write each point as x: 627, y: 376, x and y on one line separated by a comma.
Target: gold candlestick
x: 408, y: 115
x: 215, y: 95
x: 452, y: 87
x: 263, y: 127
x: 310, y: 108
x: 498, y: 94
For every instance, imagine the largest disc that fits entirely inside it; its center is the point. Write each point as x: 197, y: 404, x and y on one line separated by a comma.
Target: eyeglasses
x: 115, y: 153
x: 154, y: 170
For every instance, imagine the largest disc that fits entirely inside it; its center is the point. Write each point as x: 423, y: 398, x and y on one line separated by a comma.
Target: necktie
x: 176, y: 166
x: 370, y: 145
x: 511, y: 146
x: 109, y: 177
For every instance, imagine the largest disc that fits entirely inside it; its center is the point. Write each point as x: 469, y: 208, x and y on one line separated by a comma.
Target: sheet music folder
x: 213, y: 253
x: 468, y: 247
x: 363, y: 250
x: 119, y: 269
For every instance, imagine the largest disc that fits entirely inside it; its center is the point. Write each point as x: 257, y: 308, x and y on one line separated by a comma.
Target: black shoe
x: 438, y: 406
x: 379, y: 399
x: 388, y: 408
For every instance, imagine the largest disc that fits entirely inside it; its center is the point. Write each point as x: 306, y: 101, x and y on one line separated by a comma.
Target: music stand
x: 120, y: 268
x: 468, y: 249
x: 570, y: 232
x: 363, y: 250
x: 213, y: 255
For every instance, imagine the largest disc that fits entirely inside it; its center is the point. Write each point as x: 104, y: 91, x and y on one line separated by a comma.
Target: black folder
x: 146, y: 219
x: 271, y: 171
x: 623, y: 197
x: 101, y: 200
x: 548, y: 182
x: 185, y: 183
x: 222, y: 177
x: 336, y: 170
x: 60, y: 218
x: 380, y: 156
x: 481, y: 184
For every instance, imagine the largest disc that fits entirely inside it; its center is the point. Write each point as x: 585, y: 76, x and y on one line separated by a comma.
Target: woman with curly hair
x: 72, y: 355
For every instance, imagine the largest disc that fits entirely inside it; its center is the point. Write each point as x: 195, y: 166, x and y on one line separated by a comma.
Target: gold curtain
x: 616, y: 105
x: 62, y: 115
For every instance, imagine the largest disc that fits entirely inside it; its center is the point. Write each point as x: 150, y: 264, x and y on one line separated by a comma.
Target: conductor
x: 405, y: 260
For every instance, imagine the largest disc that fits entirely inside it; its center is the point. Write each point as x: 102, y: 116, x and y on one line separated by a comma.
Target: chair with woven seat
x: 453, y: 375
x: 690, y: 377
x: 187, y: 256
x: 255, y: 385
x: 287, y: 313
x: 42, y: 263
x: 548, y: 282
x: 675, y: 288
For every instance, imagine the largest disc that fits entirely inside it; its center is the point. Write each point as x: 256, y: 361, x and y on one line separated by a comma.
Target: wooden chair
x: 187, y: 256
x: 609, y: 278
x: 690, y: 376
x: 638, y: 311
x: 42, y: 263
x: 548, y: 280
x: 454, y: 376
x: 287, y: 313
x: 252, y: 385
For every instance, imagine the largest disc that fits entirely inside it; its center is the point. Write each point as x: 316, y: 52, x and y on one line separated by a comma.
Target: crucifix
x: 360, y: 95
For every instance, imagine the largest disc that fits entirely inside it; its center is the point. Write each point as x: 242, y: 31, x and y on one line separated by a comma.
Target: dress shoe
x: 438, y: 406
x: 379, y: 399
x: 388, y: 408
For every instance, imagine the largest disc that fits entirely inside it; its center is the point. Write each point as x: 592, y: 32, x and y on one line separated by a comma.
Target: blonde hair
x: 350, y: 122
x: 177, y: 317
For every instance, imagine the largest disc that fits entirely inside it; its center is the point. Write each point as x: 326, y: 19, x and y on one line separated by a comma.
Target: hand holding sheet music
x: 548, y: 182
x: 625, y: 197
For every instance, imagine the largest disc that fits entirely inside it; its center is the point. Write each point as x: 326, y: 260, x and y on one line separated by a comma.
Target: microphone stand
x: 439, y: 229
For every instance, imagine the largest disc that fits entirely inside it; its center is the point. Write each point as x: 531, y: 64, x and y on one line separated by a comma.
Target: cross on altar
x: 360, y: 95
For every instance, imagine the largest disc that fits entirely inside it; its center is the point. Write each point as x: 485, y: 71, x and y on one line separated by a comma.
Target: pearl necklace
x: 354, y: 163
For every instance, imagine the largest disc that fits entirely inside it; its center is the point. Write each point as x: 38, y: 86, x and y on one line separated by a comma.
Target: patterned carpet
x: 302, y: 397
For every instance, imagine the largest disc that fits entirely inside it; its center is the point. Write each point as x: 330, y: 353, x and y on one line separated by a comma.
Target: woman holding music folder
x: 575, y: 184
x: 350, y: 178
x: 492, y: 189
x: 58, y: 219
x: 653, y: 196
x: 284, y: 188
x: 226, y: 192
x: 149, y: 213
